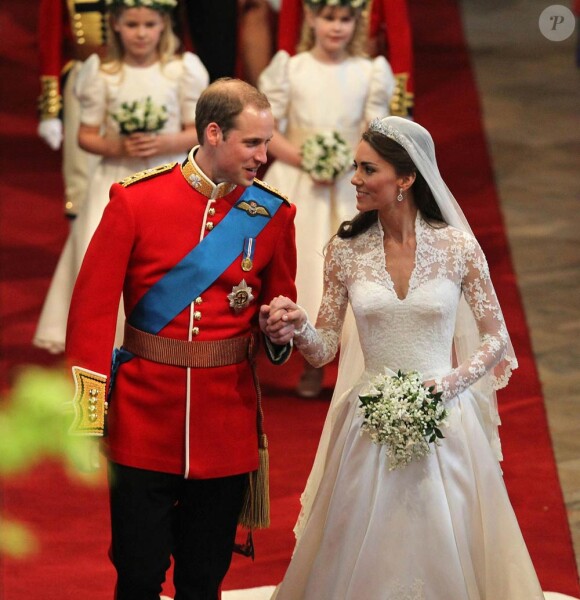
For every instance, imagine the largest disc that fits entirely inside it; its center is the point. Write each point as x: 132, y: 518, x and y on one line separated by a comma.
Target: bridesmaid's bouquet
x: 404, y: 415
x: 326, y: 156
x: 140, y: 116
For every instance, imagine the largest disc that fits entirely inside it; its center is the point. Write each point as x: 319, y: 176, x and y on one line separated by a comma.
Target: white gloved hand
x: 50, y: 130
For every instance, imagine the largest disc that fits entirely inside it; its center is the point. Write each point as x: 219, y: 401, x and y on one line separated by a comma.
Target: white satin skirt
x: 438, y: 529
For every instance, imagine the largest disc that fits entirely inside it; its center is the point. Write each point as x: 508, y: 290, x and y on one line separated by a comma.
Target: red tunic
x: 197, y: 422
x: 59, y: 43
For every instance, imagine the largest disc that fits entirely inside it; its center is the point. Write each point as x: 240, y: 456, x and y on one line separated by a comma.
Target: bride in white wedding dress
x: 418, y: 284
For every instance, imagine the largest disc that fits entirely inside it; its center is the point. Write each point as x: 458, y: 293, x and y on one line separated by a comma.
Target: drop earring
x: 400, y: 197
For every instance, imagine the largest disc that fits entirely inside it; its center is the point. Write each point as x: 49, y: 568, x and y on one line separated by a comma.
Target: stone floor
x: 531, y: 95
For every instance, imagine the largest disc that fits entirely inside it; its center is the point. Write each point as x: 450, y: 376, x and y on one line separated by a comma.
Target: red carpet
x: 71, y: 520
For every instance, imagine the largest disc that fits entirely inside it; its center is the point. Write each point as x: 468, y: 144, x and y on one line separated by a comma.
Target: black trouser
x: 156, y: 515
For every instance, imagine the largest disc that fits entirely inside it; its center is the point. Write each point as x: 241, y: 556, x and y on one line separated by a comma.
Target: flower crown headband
x: 355, y: 4
x: 161, y: 5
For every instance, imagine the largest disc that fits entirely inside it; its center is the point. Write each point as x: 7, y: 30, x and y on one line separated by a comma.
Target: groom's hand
x: 273, y: 324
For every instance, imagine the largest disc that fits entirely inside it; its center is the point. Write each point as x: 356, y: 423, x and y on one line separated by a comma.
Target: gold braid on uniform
x: 89, y: 403
x: 49, y: 101
x: 402, y: 101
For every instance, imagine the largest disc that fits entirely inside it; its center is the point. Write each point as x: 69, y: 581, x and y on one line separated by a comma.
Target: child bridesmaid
x: 328, y: 86
x: 137, y: 112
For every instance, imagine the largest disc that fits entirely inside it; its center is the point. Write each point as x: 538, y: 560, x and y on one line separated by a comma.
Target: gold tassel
x: 256, y: 508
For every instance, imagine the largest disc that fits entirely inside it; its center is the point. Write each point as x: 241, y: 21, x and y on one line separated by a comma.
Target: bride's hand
x: 289, y: 312
x: 430, y: 383
x: 271, y: 323
x: 283, y: 317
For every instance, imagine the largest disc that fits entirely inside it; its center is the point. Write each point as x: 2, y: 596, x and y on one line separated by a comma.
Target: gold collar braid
x: 200, y: 182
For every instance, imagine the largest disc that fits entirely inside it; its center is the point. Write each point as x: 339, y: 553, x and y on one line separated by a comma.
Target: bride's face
x: 375, y: 180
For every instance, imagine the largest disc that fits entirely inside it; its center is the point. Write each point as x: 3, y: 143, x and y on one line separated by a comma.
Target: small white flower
x: 402, y: 415
x: 326, y: 156
x: 140, y: 115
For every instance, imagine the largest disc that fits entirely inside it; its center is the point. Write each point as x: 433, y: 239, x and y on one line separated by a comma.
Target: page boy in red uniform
x: 68, y: 33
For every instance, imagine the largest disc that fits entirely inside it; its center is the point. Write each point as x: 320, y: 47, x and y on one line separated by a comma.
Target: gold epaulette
x: 269, y: 188
x: 146, y: 174
x: 89, y: 403
x: 401, y: 104
x: 50, y: 100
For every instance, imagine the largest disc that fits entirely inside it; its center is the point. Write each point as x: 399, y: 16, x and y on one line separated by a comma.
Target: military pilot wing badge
x: 253, y: 209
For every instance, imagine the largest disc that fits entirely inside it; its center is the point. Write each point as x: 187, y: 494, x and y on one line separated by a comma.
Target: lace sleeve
x: 319, y: 345
x: 493, y: 336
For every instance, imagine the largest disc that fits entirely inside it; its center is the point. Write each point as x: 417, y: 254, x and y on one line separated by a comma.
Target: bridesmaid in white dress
x: 143, y: 66
x: 328, y: 86
x: 419, y: 287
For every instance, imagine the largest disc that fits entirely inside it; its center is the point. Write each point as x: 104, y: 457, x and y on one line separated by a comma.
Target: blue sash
x: 200, y: 267
x: 203, y: 265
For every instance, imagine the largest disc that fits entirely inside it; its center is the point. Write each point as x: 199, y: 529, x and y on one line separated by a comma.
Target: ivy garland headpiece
x: 355, y: 4
x: 161, y: 5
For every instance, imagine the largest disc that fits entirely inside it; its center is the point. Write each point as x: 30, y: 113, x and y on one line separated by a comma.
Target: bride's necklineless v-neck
x: 410, y: 282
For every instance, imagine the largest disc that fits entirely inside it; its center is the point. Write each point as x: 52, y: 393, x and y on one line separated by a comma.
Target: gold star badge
x: 240, y: 296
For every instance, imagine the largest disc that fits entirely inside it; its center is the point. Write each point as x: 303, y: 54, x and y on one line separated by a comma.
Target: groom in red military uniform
x: 195, y: 249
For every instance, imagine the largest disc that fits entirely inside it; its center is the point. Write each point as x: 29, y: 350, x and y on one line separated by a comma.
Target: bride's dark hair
x: 397, y: 156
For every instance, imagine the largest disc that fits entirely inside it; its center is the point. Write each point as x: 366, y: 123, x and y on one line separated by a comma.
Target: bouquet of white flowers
x: 326, y: 156
x: 140, y: 116
x: 402, y: 414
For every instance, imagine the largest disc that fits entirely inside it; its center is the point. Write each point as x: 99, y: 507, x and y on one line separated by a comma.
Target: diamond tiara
x: 389, y: 131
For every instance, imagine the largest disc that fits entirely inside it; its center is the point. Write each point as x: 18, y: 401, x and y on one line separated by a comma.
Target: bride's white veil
x: 417, y: 141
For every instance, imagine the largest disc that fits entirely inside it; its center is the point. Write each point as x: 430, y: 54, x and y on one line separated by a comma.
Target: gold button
x: 69, y: 204
x: 211, y: 212
x: 195, y: 330
x: 197, y: 315
x: 198, y: 300
x: 209, y: 225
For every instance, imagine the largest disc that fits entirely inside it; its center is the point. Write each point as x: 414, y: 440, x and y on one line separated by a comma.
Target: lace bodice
x: 415, y: 332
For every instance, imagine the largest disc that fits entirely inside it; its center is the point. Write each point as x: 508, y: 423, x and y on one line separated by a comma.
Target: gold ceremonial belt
x: 181, y: 353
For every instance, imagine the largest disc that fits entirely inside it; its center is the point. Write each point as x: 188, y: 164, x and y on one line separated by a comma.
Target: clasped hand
x: 143, y: 145
x: 280, y: 319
